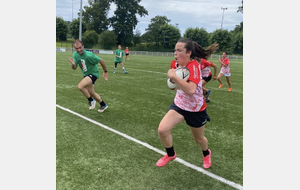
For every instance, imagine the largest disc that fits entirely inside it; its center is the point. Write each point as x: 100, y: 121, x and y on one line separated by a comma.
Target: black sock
x: 102, y: 103
x: 205, y: 152
x: 170, y: 151
x: 90, y: 99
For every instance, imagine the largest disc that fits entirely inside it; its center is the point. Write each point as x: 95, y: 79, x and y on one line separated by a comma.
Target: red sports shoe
x: 207, y: 160
x: 164, y: 160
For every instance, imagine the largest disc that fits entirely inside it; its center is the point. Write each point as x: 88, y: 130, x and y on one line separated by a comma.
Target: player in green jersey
x: 119, y: 54
x: 88, y: 63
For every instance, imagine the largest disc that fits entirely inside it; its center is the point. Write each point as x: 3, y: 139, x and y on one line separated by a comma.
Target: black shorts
x: 206, y: 79
x: 126, y: 53
x: 94, y: 78
x: 193, y: 119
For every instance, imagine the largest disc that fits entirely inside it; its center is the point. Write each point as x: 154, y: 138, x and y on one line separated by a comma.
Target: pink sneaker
x: 164, y: 160
x: 207, y: 160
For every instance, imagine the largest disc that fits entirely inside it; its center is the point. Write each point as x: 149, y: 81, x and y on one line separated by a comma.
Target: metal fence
x: 171, y: 54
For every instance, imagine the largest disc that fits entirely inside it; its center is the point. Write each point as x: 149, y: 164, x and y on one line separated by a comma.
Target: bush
x: 89, y: 38
x: 108, y: 39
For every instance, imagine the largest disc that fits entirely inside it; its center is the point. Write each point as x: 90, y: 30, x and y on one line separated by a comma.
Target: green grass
x: 90, y: 157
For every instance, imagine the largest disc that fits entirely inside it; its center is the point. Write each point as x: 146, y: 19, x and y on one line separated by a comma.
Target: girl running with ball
x: 189, y: 104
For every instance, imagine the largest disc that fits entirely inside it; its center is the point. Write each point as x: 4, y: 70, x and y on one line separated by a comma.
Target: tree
x: 200, y: 36
x: 74, y: 28
x: 237, y: 39
x: 169, y: 35
x: 108, y: 39
x: 89, y: 38
x: 154, y: 28
x: 136, y: 37
x: 61, y: 29
x: 124, y: 20
x: 223, y: 38
x: 240, y: 8
x: 238, y: 43
x: 238, y: 28
x: 146, y: 37
x: 95, y: 16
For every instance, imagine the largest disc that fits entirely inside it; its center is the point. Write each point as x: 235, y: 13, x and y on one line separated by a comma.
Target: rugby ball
x: 181, y: 72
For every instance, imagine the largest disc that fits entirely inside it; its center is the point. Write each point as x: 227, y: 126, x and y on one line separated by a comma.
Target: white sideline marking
x: 232, y: 184
x: 149, y: 71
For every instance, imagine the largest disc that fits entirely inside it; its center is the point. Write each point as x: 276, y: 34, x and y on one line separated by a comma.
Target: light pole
x: 223, y: 8
x: 80, y: 23
x: 72, y: 10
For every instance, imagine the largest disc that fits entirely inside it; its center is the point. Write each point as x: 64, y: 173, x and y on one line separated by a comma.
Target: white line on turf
x: 232, y: 184
x: 149, y: 71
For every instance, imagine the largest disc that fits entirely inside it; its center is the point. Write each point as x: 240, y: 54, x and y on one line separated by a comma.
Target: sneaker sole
x: 103, y: 109
x: 92, y: 107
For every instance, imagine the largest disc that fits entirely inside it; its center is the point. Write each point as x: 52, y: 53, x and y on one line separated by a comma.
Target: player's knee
x: 198, y: 140
x: 80, y: 87
x: 162, y: 131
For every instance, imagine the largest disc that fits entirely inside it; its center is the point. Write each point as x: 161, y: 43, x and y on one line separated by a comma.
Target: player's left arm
x: 215, y: 71
x: 105, y: 75
x: 123, y: 57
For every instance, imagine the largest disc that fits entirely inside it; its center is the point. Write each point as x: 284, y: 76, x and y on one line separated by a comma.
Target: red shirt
x: 194, y: 103
x: 205, y: 67
x: 225, y: 70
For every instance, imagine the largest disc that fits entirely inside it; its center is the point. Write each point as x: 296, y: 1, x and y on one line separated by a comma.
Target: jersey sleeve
x: 226, y: 61
x: 173, y: 64
x: 195, y: 75
x: 208, y: 63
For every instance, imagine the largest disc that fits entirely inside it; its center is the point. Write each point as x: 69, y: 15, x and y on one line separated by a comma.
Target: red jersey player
x: 225, y: 70
x: 206, y: 75
x: 189, y: 104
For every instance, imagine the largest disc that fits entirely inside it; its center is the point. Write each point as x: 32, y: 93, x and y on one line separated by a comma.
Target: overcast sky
x: 192, y: 13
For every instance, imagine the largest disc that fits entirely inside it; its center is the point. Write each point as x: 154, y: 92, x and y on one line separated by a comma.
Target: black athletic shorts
x: 94, y: 78
x: 207, y: 78
x: 193, y: 119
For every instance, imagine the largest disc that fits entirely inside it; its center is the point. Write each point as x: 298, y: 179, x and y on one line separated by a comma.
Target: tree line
x: 160, y: 34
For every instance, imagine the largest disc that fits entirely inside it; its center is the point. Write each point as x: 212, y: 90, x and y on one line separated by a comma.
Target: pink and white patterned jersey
x: 225, y: 70
x: 194, y: 103
x: 205, y: 68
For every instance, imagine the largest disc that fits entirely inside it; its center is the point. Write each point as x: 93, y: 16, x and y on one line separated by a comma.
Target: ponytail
x: 204, y: 53
x: 197, y: 50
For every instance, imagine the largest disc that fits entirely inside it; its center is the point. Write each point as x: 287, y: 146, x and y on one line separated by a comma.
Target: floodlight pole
x: 72, y: 10
x: 80, y: 24
x: 223, y: 8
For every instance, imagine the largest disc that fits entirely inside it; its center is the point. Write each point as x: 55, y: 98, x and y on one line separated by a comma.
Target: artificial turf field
x: 91, y: 157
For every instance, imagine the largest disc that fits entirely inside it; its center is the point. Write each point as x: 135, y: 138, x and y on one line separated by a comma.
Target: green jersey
x: 88, y: 62
x: 119, y: 53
